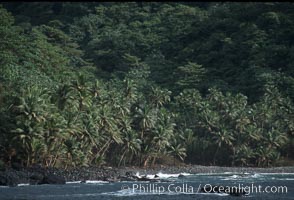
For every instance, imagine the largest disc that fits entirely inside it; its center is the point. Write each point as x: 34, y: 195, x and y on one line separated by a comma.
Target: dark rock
x: 9, y: 179
x: 36, y: 178
x: 52, y: 179
x: 127, y: 178
x: 2, y: 166
x: 37, y: 167
x: 111, y: 180
x: 144, y: 178
x: 181, y: 176
x: 3, y: 180
x: 130, y: 174
x: 16, y: 166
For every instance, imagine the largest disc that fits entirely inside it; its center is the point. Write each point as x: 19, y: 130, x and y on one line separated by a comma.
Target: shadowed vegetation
x: 86, y: 84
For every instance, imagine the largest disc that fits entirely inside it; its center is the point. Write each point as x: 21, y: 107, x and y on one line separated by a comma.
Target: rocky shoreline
x: 39, y: 175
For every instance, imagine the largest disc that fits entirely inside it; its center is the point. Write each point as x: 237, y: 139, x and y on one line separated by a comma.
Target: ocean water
x: 261, y: 186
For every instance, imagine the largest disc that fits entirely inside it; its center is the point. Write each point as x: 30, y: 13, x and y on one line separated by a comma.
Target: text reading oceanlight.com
x: 207, y: 188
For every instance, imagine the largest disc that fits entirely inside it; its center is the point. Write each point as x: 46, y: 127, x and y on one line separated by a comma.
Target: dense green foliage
x: 132, y: 83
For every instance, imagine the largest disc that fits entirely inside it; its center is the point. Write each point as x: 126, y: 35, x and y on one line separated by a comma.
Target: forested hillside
x: 86, y: 84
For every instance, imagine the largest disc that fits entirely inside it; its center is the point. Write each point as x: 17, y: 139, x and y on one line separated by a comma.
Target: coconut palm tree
x: 162, y: 134
x: 158, y: 97
x: 108, y: 127
x: 131, y: 146
x: 146, y: 117
x: 63, y: 97
x: 244, y: 154
x: 30, y: 110
x: 130, y: 89
x: 177, y: 151
x: 275, y: 139
x: 265, y: 156
x: 222, y: 138
x: 81, y: 92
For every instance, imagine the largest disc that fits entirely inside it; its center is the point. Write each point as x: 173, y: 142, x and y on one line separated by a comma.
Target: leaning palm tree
x: 275, y: 139
x: 130, y: 90
x: 82, y: 92
x: 222, y: 138
x: 177, y: 151
x: 264, y: 156
x: 244, y: 154
x: 31, y: 111
x: 108, y: 127
x: 63, y: 96
x: 131, y: 146
x: 162, y: 134
x: 145, y: 120
x: 146, y: 117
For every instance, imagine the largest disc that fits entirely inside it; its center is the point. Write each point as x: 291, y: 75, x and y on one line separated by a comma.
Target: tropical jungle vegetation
x: 96, y: 83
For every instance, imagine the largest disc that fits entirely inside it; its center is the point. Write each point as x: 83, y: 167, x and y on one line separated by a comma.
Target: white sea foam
x: 73, y: 182
x: 218, y: 194
x: 150, y: 176
x: 161, y: 175
x: 126, y: 192
x: 131, y: 192
x: 23, y: 184
x: 256, y: 175
x: 216, y: 173
x: 185, y: 174
x: 242, y: 176
x: 96, y: 182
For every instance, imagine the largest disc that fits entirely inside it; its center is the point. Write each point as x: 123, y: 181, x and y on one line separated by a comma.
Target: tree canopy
x: 132, y: 83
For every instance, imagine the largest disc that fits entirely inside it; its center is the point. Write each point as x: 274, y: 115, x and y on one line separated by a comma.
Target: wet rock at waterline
x: 52, y: 179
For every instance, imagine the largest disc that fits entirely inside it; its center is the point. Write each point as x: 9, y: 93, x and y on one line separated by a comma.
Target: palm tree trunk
x: 121, y: 158
x: 54, y: 161
x: 28, y: 160
x: 104, y: 146
x: 234, y: 156
x: 174, y: 160
x: 153, y: 161
x: 215, y: 154
x: 146, y: 161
